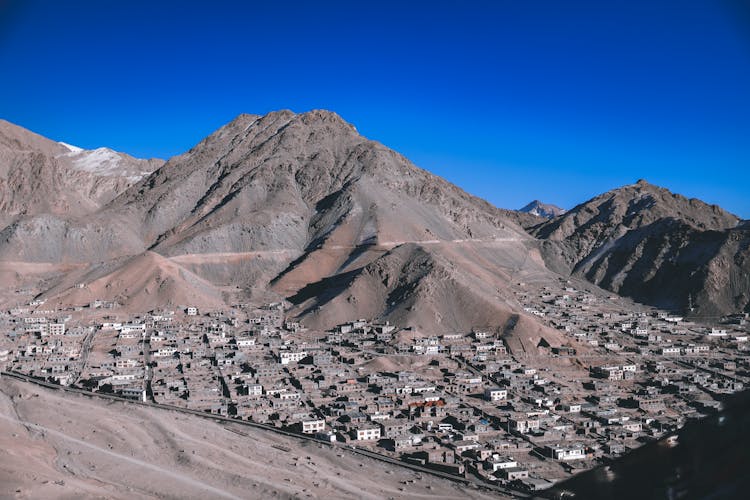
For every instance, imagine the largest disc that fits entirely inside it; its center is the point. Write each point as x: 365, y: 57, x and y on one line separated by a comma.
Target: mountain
x: 41, y: 176
x: 543, y: 210
x: 302, y: 207
x: 660, y: 248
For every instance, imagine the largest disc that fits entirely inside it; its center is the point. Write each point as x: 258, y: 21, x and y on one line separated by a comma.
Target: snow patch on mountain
x: 73, y: 149
x: 102, y: 162
x: 540, y: 209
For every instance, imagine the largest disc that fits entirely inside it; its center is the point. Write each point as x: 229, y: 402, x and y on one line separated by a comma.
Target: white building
x: 313, y: 426
x: 499, y: 463
x: 495, y: 394
x: 571, y: 407
x: 523, y: 424
x: 670, y: 351
x: 292, y: 357
x: 574, y: 452
x: 367, y: 433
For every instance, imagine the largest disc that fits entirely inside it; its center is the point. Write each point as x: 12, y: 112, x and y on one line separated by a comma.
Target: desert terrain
x: 55, y: 445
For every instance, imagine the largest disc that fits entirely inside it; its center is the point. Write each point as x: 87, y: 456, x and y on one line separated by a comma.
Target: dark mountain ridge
x: 660, y: 248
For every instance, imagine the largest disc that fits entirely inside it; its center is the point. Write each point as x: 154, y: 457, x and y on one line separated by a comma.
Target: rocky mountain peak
x: 644, y: 241
x: 543, y: 210
x: 39, y: 175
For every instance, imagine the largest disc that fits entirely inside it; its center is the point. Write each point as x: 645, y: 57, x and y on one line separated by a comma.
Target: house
x: 366, y: 433
x: 396, y: 427
x: 328, y: 437
x: 514, y: 473
x: 191, y: 311
x: 465, y: 445
x: 523, y: 424
x: 495, y: 394
x: 291, y: 357
x: 632, y: 426
x: 562, y: 453
x: 497, y: 463
x: 313, y: 426
x: 608, y: 372
x: 403, y: 442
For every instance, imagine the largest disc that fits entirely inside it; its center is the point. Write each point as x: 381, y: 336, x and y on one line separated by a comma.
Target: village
x: 475, y: 403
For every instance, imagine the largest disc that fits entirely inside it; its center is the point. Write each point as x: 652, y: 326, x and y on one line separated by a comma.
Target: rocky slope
x: 655, y: 246
x: 302, y: 207
x: 40, y: 176
x: 292, y: 203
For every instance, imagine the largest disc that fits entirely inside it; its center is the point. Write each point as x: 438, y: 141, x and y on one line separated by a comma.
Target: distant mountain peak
x: 42, y: 176
x: 540, y: 209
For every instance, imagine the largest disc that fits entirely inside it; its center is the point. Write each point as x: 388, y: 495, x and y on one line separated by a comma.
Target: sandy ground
x: 55, y: 445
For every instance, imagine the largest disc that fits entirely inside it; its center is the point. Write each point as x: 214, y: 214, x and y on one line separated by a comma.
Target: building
x: 292, y: 357
x: 514, y: 473
x: 55, y: 328
x: 559, y: 452
x: 523, y: 424
x: 465, y: 445
x: 670, y: 351
x: 495, y: 394
x: 608, y: 372
x: 571, y: 407
x: 366, y: 433
x: 497, y: 463
x: 313, y: 426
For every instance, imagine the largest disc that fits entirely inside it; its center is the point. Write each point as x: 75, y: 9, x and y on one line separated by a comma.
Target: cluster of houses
x: 462, y: 402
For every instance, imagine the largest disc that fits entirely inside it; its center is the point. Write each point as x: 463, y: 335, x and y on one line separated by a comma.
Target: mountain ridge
x: 302, y: 207
x: 41, y: 176
x: 653, y: 245
x: 280, y: 201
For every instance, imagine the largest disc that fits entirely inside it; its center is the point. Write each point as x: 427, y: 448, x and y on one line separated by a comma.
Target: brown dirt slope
x: 141, y: 283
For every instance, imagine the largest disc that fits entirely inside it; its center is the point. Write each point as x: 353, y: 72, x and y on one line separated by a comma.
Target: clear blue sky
x: 511, y: 100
